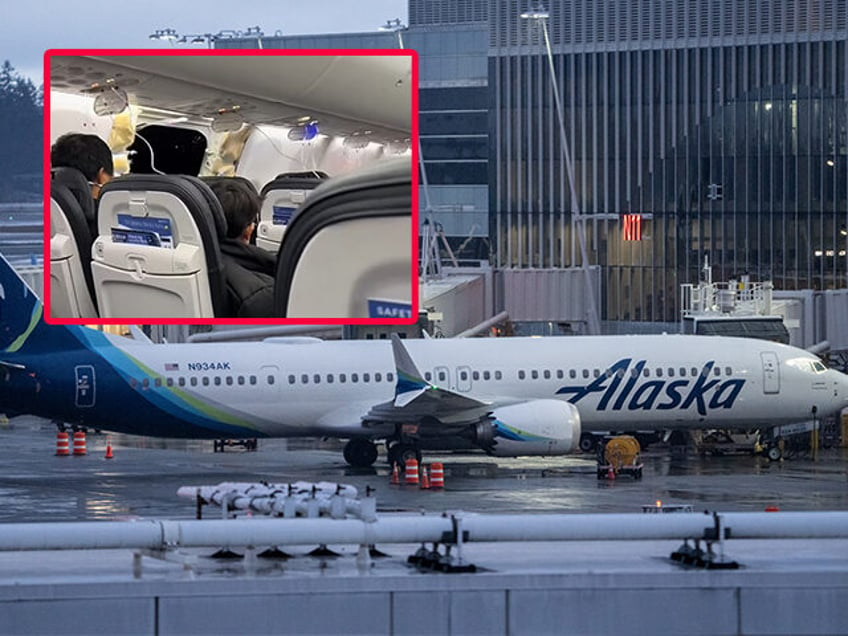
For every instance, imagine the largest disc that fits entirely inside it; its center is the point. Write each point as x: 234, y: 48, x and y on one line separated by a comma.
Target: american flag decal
x: 172, y: 366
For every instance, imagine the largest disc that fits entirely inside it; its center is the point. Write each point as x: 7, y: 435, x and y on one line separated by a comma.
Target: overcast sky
x: 29, y: 27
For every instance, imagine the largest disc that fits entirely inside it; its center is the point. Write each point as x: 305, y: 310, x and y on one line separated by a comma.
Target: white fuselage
x: 615, y: 382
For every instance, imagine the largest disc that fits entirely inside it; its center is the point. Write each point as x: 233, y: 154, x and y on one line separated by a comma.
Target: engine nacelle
x: 540, y: 427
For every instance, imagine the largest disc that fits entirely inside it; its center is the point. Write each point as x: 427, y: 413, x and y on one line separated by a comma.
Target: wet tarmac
x: 142, y: 478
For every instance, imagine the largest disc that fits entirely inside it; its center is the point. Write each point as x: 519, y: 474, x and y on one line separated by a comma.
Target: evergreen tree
x: 20, y: 134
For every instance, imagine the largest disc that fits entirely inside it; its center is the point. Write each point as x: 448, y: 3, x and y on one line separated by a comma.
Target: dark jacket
x: 250, y: 290
x: 250, y: 257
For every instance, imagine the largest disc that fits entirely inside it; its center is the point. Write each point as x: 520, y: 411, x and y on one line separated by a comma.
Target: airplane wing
x: 416, y: 398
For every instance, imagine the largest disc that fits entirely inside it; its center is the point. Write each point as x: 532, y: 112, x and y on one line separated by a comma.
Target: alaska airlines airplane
x: 508, y: 397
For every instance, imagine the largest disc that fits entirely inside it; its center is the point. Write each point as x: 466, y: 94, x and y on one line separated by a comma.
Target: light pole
x: 593, y: 323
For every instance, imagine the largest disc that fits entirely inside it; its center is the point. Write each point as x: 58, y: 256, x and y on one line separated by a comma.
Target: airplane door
x: 771, y: 372
x: 463, y: 378
x: 441, y: 377
x: 84, y: 386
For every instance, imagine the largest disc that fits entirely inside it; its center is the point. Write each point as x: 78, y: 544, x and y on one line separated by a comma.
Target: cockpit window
x: 807, y: 365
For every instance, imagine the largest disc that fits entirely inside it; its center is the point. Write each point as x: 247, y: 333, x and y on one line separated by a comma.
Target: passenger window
x: 205, y: 380
x: 547, y: 374
x: 572, y: 373
x: 390, y: 377
x: 329, y: 378
x: 442, y: 376
x: 521, y: 375
x: 316, y: 378
x: 682, y: 372
x: 428, y: 376
x: 646, y: 372
x: 487, y: 375
x: 560, y: 374
x: 253, y: 379
x: 170, y: 381
x: 534, y: 374
x: 292, y: 379
x: 596, y: 372
x: 634, y: 373
x: 193, y: 381
x: 671, y: 372
x: 728, y: 371
x: 716, y: 371
x: 229, y: 380
x: 342, y: 378
x: 270, y: 379
x: 241, y: 380
x: 181, y: 381
x: 157, y: 382
x: 133, y: 382
x: 585, y: 373
x: 694, y: 371
x: 366, y: 377
x: 145, y: 383
x: 498, y: 375
x: 463, y: 375
x: 659, y: 372
x: 378, y: 377
x: 217, y: 380
x: 354, y: 377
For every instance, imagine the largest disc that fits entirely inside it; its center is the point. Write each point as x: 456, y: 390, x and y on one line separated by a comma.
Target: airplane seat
x: 280, y: 199
x: 71, y: 211
x: 157, y: 254
x: 348, y: 251
x: 80, y: 188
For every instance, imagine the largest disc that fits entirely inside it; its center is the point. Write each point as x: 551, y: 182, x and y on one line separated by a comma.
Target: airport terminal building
x: 712, y: 129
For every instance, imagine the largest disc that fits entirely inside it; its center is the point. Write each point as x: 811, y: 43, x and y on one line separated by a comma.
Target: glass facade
x: 722, y: 124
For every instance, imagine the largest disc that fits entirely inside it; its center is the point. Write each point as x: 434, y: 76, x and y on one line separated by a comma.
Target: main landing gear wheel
x: 588, y: 442
x: 360, y: 453
x: 399, y: 453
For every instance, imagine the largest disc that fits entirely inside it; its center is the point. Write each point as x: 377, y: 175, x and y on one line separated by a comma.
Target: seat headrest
x: 78, y: 185
x: 295, y: 181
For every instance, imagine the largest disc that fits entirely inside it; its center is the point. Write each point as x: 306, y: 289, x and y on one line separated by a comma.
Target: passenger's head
x: 241, y: 206
x: 87, y: 153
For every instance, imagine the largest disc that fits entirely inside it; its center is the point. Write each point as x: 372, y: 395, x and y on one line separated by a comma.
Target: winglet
x: 410, y: 383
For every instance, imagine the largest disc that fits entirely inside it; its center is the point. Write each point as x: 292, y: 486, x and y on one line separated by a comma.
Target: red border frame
x: 411, y: 53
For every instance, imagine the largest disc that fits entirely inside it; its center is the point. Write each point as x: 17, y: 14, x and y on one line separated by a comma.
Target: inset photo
x: 256, y: 186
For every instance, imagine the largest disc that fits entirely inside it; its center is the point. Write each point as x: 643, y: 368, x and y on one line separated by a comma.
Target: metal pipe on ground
x: 156, y: 535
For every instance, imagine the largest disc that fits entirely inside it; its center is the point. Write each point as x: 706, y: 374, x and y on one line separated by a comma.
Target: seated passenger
x: 87, y: 153
x: 241, y: 207
x: 249, y: 270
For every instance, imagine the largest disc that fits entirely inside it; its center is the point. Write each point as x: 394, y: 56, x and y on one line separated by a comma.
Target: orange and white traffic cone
x: 425, y: 479
x: 437, y: 476
x: 411, y: 475
x: 62, y: 448
x: 79, y: 443
x: 395, y: 477
x: 108, y: 448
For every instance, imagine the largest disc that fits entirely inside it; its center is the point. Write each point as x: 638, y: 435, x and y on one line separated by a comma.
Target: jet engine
x: 539, y: 427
